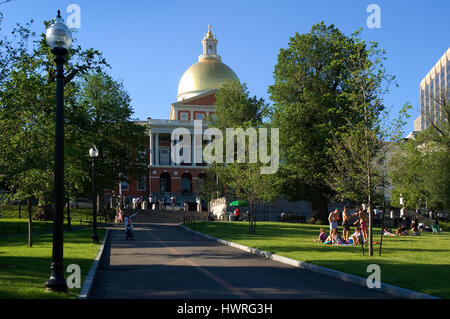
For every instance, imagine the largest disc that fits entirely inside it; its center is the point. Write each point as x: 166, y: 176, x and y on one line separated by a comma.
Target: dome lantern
x: 209, y: 45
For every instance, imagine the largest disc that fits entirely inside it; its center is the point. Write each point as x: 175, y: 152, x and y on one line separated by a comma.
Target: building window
x: 164, y: 181
x: 164, y: 156
x: 199, y: 117
x: 201, y: 183
x: 184, y: 116
x: 142, y: 183
x: 186, y: 186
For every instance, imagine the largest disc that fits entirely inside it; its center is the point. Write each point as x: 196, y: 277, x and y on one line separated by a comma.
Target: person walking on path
x: 172, y: 202
x: 128, y: 225
x: 120, y: 216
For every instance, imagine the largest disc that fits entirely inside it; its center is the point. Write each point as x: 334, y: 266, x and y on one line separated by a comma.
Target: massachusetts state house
x: 195, y: 101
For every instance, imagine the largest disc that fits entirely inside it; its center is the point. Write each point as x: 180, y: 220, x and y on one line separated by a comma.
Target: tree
x: 420, y: 167
x: 107, y: 124
x: 236, y: 109
x: 311, y: 108
x: 27, y: 118
x: 359, y: 152
x: 12, y: 47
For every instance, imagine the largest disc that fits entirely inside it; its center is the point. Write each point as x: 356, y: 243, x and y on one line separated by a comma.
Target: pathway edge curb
x: 387, y: 288
x: 85, y: 292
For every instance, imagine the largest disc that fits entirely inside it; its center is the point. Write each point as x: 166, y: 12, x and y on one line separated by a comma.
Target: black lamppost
x: 93, y: 153
x: 59, y: 38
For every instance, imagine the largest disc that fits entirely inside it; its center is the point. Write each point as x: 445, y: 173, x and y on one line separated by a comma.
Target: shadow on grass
x: 426, y: 278
x: 24, y: 270
x: 24, y: 277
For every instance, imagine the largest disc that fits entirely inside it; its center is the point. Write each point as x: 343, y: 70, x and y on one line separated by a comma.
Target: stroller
x: 129, y: 231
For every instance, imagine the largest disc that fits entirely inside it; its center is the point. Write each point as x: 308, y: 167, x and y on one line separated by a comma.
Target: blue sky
x: 150, y: 44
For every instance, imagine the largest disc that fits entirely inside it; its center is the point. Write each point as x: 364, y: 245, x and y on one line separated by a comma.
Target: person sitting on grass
x: 322, y: 235
x: 387, y: 232
x: 402, y: 231
x: 338, y: 240
x: 329, y: 240
x: 415, y: 229
x: 356, y: 237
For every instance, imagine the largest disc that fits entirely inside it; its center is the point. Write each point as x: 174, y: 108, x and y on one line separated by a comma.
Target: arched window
x: 201, y: 182
x: 164, y: 181
x: 186, y: 186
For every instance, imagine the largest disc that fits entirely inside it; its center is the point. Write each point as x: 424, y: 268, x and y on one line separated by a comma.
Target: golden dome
x: 205, y: 75
x: 209, y: 73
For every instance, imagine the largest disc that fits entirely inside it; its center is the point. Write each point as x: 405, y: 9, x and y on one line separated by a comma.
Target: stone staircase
x: 168, y: 216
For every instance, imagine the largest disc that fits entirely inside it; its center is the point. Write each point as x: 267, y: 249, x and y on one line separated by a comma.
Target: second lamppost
x: 93, y: 153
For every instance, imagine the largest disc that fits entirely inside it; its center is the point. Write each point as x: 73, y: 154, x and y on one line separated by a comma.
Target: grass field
x: 23, y: 270
x: 78, y: 215
x: 420, y: 263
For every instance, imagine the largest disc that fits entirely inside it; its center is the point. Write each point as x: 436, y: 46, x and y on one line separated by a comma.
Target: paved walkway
x: 166, y: 261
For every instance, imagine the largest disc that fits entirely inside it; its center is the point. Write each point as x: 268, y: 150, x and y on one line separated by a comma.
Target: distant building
x: 433, y: 85
x: 195, y: 101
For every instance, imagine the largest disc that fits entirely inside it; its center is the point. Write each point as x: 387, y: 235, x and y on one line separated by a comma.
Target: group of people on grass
x: 406, y: 227
x: 335, y: 238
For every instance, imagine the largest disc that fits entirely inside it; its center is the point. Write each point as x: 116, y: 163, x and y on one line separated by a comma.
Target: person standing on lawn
x: 346, y: 223
x: 237, y: 214
x: 362, y: 219
x: 332, y: 219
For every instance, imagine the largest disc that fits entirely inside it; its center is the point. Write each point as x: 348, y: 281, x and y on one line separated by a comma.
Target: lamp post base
x: 56, y: 284
x: 95, y: 238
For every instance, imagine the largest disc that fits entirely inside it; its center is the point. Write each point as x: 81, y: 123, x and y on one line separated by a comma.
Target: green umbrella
x: 239, y: 203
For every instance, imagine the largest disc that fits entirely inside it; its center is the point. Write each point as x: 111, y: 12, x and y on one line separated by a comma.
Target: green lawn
x: 78, y: 215
x: 10, y: 227
x: 23, y: 270
x: 420, y: 263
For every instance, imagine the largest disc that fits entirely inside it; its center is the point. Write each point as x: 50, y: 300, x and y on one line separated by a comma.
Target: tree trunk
x: 369, y: 208
x: 20, y: 209
x: 69, y: 224
x: 100, y: 200
x: 319, y: 209
x: 253, y: 217
x: 30, y: 224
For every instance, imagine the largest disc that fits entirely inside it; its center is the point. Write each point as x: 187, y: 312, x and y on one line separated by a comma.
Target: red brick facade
x: 205, y: 100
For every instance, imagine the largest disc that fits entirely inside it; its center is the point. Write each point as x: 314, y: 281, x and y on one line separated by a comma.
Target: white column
x: 193, y: 151
x: 151, y: 149
x: 171, y: 161
x: 157, y: 149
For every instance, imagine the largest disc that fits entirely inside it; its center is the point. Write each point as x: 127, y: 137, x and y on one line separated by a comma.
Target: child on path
x: 129, y: 226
